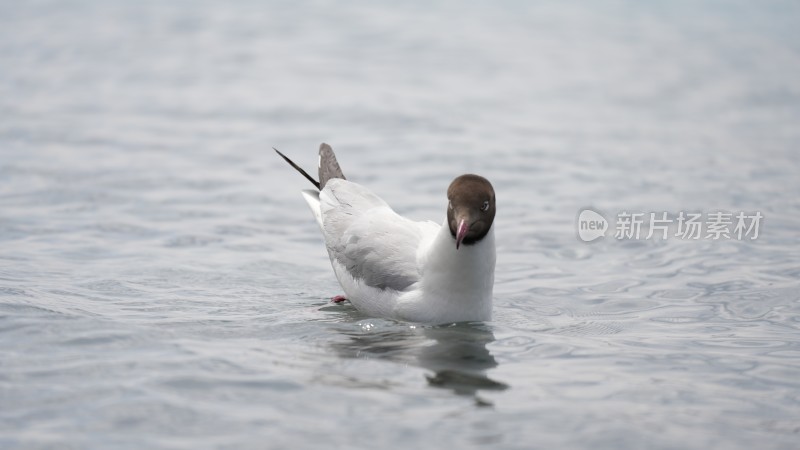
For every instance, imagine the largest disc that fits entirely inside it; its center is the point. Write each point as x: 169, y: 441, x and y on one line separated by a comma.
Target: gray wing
x: 328, y: 166
x: 377, y: 246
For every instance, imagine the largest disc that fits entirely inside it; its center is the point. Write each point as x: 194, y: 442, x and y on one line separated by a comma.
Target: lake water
x: 163, y: 285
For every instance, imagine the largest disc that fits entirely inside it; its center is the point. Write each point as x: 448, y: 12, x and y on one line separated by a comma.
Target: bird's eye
x: 485, y: 206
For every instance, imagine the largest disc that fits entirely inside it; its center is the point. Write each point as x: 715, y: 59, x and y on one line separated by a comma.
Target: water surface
x: 162, y: 283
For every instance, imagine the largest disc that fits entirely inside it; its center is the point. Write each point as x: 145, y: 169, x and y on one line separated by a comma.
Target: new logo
x: 591, y: 225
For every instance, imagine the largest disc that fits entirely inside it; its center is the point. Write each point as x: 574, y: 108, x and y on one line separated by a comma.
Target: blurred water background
x: 162, y: 283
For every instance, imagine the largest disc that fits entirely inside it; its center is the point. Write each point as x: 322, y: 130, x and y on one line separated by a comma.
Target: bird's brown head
x: 471, y: 208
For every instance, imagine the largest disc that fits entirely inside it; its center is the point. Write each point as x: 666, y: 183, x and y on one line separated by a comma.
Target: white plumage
x: 393, y: 267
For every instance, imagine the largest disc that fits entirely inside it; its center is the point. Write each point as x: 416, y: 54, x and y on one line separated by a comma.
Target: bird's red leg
x: 338, y: 299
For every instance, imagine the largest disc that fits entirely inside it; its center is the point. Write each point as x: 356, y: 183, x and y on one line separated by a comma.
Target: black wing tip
x: 282, y: 155
x: 302, y: 172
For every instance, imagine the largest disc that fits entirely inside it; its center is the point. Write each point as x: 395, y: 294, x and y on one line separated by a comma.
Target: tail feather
x: 328, y: 166
x: 303, y: 172
x: 312, y: 198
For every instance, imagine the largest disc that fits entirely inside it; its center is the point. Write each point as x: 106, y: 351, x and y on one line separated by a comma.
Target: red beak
x: 463, y: 229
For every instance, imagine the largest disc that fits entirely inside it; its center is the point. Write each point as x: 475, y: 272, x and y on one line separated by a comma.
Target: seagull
x: 396, y: 268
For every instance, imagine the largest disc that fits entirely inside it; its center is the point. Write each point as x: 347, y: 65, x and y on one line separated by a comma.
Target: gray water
x: 162, y: 283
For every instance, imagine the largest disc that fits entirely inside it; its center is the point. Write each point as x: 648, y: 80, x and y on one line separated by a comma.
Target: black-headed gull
x: 397, y: 268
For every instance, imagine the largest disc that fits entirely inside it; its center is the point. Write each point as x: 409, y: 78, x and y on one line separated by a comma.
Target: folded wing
x: 376, y: 246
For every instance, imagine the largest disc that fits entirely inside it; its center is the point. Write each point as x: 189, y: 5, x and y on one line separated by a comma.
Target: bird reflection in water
x: 455, y: 354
